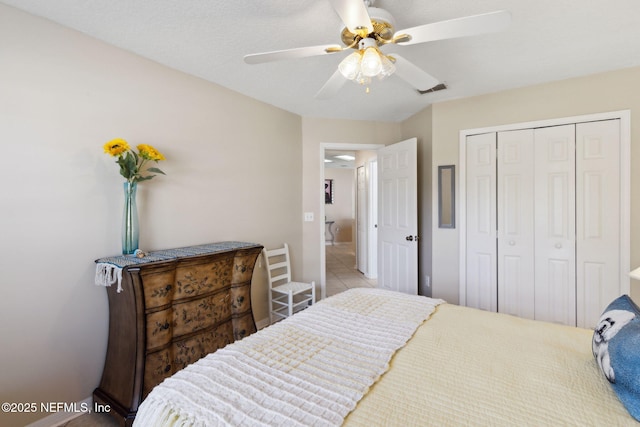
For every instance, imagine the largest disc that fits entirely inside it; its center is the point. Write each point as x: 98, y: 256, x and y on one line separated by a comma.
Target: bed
x: 370, y: 357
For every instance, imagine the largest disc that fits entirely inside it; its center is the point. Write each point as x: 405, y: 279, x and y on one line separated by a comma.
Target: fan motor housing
x: 383, y: 28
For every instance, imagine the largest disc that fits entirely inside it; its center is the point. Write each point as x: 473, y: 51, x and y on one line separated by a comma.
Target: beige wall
x: 234, y: 169
x: 610, y: 91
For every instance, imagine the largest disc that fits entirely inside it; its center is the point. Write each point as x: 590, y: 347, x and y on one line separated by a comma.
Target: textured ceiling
x: 548, y: 40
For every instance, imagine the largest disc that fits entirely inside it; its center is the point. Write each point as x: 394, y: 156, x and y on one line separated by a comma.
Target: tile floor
x: 341, y: 270
x: 341, y: 275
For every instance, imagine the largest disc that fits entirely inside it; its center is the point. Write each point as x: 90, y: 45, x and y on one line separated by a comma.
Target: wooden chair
x: 285, y: 297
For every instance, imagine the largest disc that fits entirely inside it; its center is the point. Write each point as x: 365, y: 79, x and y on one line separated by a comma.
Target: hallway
x: 341, y: 271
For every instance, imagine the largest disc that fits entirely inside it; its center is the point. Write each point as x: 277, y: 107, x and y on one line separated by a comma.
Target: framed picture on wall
x: 328, y: 191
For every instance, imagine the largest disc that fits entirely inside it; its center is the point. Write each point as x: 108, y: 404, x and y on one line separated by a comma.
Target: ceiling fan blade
x: 354, y: 14
x: 459, y: 27
x: 413, y: 75
x: 332, y: 86
x: 301, y: 52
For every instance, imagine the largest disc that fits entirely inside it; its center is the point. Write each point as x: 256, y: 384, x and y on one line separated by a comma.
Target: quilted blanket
x: 308, y: 370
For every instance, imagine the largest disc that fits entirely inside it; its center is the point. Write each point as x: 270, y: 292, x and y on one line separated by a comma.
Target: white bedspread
x: 308, y: 370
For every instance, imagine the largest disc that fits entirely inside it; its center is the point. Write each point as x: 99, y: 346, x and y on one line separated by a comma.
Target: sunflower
x: 116, y: 147
x: 149, y: 153
x: 132, y: 163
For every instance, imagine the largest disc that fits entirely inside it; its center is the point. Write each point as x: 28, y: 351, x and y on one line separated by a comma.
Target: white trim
x: 372, y: 226
x: 625, y: 200
x: 461, y: 202
x: 625, y: 186
x: 60, y: 418
x: 321, y: 226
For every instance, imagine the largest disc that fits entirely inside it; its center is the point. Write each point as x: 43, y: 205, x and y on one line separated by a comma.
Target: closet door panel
x: 481, y: 280
x: 515, y: 223
x: 555, y: 212
x: 598, y: 218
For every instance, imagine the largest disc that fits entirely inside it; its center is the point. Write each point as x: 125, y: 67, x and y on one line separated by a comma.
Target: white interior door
x: 398, y: 217
x: 555, y: 212
x: 481, y: 289
x: 598, y: 220
x: 515, y: 223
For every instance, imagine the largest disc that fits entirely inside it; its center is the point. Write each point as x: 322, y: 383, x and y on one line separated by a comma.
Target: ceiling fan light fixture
x: 388, y: 67
x: 350, y: 66
x: 371, y: 64
x: 362, y: 79
x: 361, y: 66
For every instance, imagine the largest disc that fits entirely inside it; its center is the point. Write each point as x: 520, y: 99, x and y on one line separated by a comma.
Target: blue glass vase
x: 130, y: 226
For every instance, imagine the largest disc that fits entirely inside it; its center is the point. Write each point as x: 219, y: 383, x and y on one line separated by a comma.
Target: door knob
x: 409, y: 238
x: 512, y: 242
x: 558, y: 245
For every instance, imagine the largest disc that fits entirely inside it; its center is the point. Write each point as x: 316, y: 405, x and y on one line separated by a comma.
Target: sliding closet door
x: 598, y: 219
x: 481, y: 280
x: 555, y: 224
x: 515, y: 256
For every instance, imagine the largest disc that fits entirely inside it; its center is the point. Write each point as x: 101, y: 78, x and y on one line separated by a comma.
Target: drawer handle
x: 167, y: 368
x: 168, y: 288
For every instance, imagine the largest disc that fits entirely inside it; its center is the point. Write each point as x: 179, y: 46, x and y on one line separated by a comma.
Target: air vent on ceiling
x: 436, y: 88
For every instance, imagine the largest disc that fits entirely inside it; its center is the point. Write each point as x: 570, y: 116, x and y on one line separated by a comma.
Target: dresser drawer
x: 241, y: 298
x: 158, y: 285
x: 158, y: 366
x: 243, y: 265
x: 193, y: 348
x: 159, y: 328
x: 243, y: 326
x: 192, y: 316
x: 197, y: 276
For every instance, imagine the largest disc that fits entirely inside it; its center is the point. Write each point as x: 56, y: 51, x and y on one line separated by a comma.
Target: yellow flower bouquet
x: 132, y: 163
x: 132, y: 167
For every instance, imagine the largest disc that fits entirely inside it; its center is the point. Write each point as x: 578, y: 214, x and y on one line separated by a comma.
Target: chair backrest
x: 278, y: 265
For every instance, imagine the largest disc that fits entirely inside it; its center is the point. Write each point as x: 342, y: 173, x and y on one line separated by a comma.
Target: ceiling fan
x: 369, y: 28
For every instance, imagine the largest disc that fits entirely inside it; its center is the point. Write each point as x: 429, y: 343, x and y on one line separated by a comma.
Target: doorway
x: 339, y: 259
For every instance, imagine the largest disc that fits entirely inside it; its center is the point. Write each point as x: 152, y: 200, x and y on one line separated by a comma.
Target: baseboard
x: 59, y: 418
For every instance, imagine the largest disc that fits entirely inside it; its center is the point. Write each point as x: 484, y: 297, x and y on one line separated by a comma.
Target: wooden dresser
x: 175, y: 306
